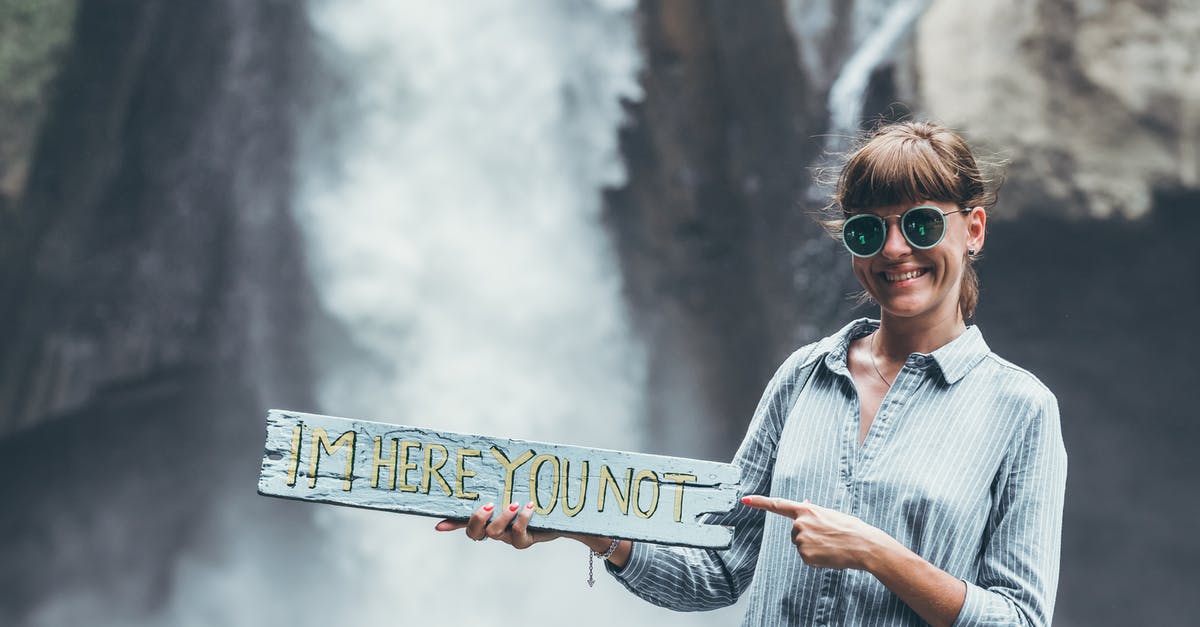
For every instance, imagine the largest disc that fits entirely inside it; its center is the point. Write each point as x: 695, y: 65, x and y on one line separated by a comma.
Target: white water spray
x: 460, y: 243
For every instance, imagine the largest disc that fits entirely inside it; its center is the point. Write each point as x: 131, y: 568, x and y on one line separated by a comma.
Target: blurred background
x: 584, y: 221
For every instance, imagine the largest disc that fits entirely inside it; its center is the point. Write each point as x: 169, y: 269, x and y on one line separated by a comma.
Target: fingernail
x: 529, y: 506
x: 746, y: 500
x: 514, y: 507
x: 488, y: 507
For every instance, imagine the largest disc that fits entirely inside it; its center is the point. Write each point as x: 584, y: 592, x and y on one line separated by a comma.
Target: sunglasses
x: 923, y: 227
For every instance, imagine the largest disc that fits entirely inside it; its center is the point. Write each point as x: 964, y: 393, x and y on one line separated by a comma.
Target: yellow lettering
x: 533, y: 482
x: 607, y: 479
x: 321, y: 442
x: 564, y: 492
x: 383, y: 462
x: 405, y: 466
x: 679, y: 481
x: 430, y: 470
x: 463, y: 473
x: 510, y: 468
x: 295, y: 465
x: 645, y: 475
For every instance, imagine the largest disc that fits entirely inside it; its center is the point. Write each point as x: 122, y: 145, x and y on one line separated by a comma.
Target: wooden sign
x: 449, y: 475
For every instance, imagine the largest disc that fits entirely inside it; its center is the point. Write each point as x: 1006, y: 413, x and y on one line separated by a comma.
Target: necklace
x: 875, y: 365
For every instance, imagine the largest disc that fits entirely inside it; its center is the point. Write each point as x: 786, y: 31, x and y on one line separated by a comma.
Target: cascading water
x: 874, y: 29
x: 880, y: 26
x: 458, y: 240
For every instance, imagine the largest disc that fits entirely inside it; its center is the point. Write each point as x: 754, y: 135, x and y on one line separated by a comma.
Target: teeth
x: 904, y: 277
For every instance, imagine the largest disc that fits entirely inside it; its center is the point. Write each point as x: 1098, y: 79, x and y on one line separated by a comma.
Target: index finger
x: 774, y: 504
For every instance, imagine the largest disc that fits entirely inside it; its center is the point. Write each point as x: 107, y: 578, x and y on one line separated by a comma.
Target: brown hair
x: 907, y: 163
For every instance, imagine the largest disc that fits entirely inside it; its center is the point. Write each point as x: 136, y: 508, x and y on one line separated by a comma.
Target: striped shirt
x: 964, y: 464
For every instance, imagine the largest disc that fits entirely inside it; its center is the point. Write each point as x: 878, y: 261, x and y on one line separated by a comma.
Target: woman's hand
x: 498, y: 528
x: 824, y: 537
x: 518, y: 534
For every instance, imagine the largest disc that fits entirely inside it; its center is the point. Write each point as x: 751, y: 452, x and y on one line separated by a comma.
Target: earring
x: 970, y: 252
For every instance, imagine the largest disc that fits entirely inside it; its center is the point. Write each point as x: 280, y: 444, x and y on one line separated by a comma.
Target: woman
x: 897, y: 472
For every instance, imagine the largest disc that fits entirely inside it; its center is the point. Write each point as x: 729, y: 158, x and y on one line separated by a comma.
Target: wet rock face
x: 152, y: 297
x: 711, y: 227
x: 1096, y: 102
x: 156, y: 212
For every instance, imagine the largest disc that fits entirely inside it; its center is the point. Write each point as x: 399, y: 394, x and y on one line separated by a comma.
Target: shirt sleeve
x: 1018, y: 577
x: 689, y: 579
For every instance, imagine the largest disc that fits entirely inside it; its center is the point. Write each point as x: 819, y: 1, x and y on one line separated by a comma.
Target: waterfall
x: 454, y: 229
x: 874, y: 29
x: 849, y: 90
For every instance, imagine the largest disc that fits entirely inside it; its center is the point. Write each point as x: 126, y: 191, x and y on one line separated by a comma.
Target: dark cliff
x: 153, y: 295
x: 724, y: 266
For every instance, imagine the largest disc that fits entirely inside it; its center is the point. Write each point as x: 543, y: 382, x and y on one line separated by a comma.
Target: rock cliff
x: 1096, y: 103
x: 152, y: 302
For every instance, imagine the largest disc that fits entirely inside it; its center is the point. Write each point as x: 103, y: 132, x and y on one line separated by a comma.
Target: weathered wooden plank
x: 449, y: 475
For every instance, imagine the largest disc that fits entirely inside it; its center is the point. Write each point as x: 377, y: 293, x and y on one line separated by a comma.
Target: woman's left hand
x: 824, y: 537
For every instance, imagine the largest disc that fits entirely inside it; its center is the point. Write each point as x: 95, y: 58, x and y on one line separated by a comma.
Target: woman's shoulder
x: 1004, y: 369
x: 797, y: 362
x: 1016, y: 386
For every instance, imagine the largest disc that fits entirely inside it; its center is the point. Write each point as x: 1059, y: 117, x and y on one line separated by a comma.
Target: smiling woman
x: 897, y: 472
x: 905, y: 165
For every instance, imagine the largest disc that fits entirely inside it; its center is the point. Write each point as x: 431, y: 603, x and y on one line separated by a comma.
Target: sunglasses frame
x: 901, y: 216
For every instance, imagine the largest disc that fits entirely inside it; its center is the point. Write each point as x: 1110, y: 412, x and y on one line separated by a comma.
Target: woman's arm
x: 1018, y: 575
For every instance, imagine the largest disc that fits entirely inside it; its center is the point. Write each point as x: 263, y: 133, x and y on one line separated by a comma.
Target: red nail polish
x: 488, y: 507
x: 514, y: 507
x: 746, y: 500
x: 529, y: 506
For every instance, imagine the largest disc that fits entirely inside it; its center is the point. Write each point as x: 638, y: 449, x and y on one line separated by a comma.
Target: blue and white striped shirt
x: 964, y: 464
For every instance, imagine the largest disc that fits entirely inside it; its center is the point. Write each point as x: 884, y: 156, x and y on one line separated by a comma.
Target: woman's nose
x: 894, y: 245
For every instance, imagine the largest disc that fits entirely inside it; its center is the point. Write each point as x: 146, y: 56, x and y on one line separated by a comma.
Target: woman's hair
x: 908, y: 163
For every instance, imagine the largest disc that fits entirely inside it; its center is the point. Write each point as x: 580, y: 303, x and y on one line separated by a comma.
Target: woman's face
x: 909, y: 282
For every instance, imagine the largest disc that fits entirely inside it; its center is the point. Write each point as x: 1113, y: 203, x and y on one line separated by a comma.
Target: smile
x: 895, y: 278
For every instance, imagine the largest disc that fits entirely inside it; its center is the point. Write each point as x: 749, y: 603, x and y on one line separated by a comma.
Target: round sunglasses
x: 923, y: 227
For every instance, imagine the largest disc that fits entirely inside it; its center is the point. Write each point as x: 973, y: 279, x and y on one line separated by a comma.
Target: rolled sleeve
x: 984, y: 607
x: 633, y: 573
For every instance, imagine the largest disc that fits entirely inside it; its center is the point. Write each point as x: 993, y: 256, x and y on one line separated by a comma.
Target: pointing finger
x: 774, y: 504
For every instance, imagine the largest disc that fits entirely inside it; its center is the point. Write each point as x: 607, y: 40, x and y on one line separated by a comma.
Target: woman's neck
x: 899, y: 337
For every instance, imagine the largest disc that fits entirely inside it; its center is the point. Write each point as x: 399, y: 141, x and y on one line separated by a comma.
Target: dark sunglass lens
x: 924, y: 227
x: 863, y: 235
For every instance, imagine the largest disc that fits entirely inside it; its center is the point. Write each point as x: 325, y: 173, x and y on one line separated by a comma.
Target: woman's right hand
x: 499, y: 528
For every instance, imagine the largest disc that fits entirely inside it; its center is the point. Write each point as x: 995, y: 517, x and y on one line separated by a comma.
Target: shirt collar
x: 954, y: 360
x: 961, y: 354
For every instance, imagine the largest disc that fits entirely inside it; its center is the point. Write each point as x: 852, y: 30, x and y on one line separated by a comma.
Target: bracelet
x: 612, y: 548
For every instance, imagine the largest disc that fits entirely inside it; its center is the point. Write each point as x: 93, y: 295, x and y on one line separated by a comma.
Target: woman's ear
x: 976, y: 229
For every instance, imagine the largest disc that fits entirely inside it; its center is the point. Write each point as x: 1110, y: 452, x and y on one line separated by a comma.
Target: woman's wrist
x: 880, y: 551
x: 601, y: 544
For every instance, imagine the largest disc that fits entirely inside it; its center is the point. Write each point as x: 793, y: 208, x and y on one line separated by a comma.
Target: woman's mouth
x: 893, y: 277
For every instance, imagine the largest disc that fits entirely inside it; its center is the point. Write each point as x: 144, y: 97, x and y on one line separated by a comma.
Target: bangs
x: 900, y: 170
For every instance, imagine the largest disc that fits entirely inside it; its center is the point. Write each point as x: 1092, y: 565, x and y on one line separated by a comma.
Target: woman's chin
x: 905, y: 307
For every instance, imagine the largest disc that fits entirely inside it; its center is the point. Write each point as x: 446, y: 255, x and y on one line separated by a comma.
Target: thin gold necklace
x: 875, y: 365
